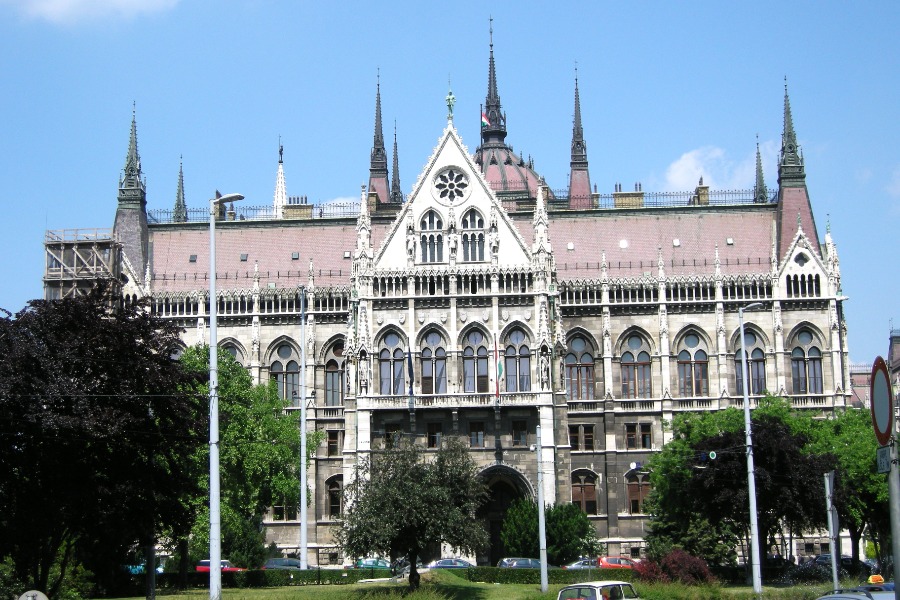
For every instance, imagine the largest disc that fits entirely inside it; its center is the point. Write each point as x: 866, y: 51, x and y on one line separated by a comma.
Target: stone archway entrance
x: 505, y: 485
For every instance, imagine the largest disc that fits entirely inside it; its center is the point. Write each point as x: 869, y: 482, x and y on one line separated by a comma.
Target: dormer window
x: 432, y: 240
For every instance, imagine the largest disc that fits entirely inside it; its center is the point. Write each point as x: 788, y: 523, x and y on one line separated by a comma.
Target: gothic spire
x: 760, y: 193
x: 280, y: 199
x: 378, y: 169
x: 132, y: 190
x: 396, y: 192
x: 179, y: 215
x: 579, y: 178
x: 791, y: 172
x: 493, y: 121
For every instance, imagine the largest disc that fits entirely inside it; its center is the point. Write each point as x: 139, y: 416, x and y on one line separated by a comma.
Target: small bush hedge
x: 259, y: 578
x: 533, y: 576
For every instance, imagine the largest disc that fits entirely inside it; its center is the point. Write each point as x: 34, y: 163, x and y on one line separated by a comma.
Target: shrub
x: 676, y: 566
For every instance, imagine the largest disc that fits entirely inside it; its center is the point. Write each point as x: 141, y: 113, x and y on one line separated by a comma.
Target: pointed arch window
x: 472, y: 225
x: 434, y: 364
x: 635, y: 366
x: 637, y: 489
x: 335, y: 377
x: 391, y: 369
x: 432, y: 240
x: 517, y: 362
x: 285, y: 370
x: 584, y: 491
x: 579, y: 370
x: 693, y: 368
x: 806, y: 365
x: 335, y: 497
x: 756, y: 363
x: 475, y: 363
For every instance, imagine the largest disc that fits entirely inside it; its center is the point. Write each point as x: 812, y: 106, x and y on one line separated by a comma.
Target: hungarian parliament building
x: 484, y: 304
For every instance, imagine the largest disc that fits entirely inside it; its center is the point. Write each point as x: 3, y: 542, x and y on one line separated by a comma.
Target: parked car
x: 449, y: 563
x: 283, y: 563
x: 203, y: 566
x: 615, y: 562
x: 857, y: 594
x: 582, y: 563
x: 379, y: 564
x: 519, y: 563
x: 598, y: 590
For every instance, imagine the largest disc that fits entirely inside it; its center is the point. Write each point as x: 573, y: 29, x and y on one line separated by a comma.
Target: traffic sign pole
x: 884, y: 423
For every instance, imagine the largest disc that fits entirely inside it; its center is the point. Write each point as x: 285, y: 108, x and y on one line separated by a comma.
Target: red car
x: 614, y: 562
x: 203, y: 567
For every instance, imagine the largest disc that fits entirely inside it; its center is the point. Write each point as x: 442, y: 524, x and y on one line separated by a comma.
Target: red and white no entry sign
x: 882, y: 402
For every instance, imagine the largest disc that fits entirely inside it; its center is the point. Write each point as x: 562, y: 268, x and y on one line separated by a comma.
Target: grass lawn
x: 445, y: 585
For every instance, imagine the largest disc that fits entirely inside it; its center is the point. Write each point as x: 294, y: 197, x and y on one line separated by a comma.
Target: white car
x: 598, y: 590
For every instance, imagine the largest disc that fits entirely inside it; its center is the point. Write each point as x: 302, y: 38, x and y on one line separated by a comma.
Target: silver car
x: 598, y: 590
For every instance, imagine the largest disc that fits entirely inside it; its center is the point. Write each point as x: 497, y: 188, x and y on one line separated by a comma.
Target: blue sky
x: 669, y: 91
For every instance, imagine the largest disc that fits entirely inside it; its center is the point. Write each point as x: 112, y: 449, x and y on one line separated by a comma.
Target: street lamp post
x: 751, y: 477
x: 215, y: 517
x: 303, y: 527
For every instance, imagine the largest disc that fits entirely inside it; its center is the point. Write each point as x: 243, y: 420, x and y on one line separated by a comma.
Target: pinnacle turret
x: 396, y: 192
x: 791, y: 172
x: 378, y: 169
x: 579, y: 178
x: 493, y: 121
x: 132, y: 188
x: 131, y: 214
x: 760, y: 193
x: 179, y: 215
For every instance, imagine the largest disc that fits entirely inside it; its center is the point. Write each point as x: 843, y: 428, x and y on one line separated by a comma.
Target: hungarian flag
x: 484, y: 120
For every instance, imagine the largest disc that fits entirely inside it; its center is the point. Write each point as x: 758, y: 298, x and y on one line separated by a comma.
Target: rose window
x: 451, y: 185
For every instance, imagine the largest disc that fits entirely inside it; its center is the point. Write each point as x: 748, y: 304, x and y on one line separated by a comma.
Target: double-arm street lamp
x: 215, y: 517
x: 751, y: 477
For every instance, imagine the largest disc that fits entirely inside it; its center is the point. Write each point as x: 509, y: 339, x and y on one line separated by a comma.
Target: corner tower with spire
x: 130, y: 226
x: 579, y: 178
x: 378, y: 168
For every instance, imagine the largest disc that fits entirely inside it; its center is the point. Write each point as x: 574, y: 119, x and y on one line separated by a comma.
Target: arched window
x: 579, y: 370
x: 475, y: 363
x: 584, y: 491
x: 434, y: 364
x: 472, y: 225
x: 391, y: 369
x: 432, y: 240
x: 693, y: 368
x: 285, y: 370
x: 234, y: 351
x: 335, y: 497
x: 635, y: 364
x: 806, y: 365
x: 335, y: 382
x: 637, y: 489
x: 756, y: 364
x: 518, y: 362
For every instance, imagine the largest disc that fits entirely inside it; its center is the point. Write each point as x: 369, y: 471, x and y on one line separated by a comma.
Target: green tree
x: 97, y: 427
x: 570, y: 534
x: 259, y: 459
x: 789, y: 491
x: 403, y: 500
x: 861, y: 493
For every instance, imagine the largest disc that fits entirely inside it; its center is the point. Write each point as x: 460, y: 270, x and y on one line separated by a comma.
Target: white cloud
x: 64, y: 12
x: 718, y: 170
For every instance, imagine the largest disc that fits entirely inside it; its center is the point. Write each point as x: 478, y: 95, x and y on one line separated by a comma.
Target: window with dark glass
x: 519, y: 433
x: 432, y: 240
x: 637, y: 489
x: 635, y: 368
x: 334, y: 442
x: 472, y: 239
x: 392, y: 435
x: 806, y: 365
x: 435, y: 432
x: 335, y: 498
x: 518, y: 363
x: 579, y: 370
x: 392, y: 366
x: 476, y: 434
x: 638, y: 436
x: 475, y: 363
x: 693, y: 368
x: 434, y: 364
x: 581, y: 437
x: 756, y: 362
x: 284, y: 511
x: 584, y: 491
x: 286, y: 373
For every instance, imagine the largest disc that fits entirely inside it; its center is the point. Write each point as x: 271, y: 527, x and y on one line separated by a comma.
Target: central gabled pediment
x: 452, y: 217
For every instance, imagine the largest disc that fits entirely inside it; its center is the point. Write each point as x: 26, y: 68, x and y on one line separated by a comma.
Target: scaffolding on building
x: 76, y: 259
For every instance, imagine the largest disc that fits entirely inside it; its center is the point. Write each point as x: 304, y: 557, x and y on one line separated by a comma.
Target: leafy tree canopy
x: 570, y: 534
x: 404, y: 500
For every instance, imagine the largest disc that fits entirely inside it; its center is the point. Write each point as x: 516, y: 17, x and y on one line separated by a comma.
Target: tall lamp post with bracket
x: 751, y: 476
x: 215, y: 513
